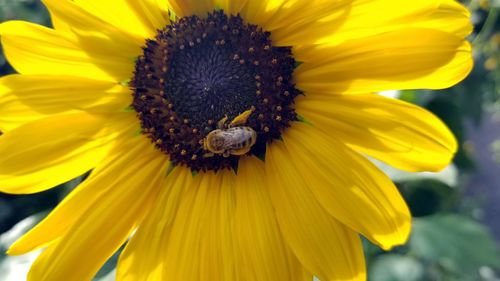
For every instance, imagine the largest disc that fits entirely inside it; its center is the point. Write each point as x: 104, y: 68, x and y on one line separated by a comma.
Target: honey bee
x: 232, y: 139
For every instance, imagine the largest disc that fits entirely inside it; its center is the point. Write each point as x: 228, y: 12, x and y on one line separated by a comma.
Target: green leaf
x: 456, y: 242
x: 298, y: 63
x: 408, y: 95
x: 170, y: 168
x: 125, y: 83
x: 394, y: 267
x: 302, y: 119
x: 129, y: 108
x: 171, y: 15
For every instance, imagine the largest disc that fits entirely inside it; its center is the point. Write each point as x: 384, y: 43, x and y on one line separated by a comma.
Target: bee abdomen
x: 242, y: 137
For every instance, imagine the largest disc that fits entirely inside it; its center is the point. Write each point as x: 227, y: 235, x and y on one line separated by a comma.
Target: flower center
x: 204, y: 84
x: 208, y: 91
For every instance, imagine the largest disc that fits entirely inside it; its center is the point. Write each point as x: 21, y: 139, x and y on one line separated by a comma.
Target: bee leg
x: 241, y: 119
x: 242, y: 151
x: 222, y: 122
x: 208, y: 155
x: 205, y: 146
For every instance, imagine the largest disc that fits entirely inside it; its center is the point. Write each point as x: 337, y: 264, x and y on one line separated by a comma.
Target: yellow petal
x: 34, y: 49
x: 262, y: 252
x: 259, y: 12
x: 112, y: 171
x: 106, y: 224
x: 184, y: 8
x: 450, y: 16
x: 92, y: 25
x: 201, y: 241
x: 390, y: 61
x: 401, y: 134
x: 232, y: 7
x: 335, y: 22
x: 128, y: 15
x: 142, y: 258
x: 348, y: 186
x: 327, y: 248
x: 47, y: 152
x: 238, y: 207
x: 366, y: 18
x: 154, y: 11
x: 25, y: 98
x: 299, y: 22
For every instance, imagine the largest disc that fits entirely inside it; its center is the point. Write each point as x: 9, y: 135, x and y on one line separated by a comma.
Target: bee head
x: 215, y: 142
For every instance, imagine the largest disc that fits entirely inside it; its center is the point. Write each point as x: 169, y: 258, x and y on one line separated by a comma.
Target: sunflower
x: 226, y: 139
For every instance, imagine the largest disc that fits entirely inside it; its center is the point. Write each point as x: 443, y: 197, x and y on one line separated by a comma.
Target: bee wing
x: 229, y: 139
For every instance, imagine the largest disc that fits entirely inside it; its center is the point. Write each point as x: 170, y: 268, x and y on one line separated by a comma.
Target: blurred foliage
x: 448, y: 241
x: 444, y: 247
x: 30, y: 10
x: 456, y: 244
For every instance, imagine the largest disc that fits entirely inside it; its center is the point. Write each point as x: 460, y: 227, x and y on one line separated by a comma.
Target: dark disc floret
x: 199, y: 70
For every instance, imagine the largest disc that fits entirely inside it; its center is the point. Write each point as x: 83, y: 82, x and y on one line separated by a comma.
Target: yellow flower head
x: 227, y: 135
